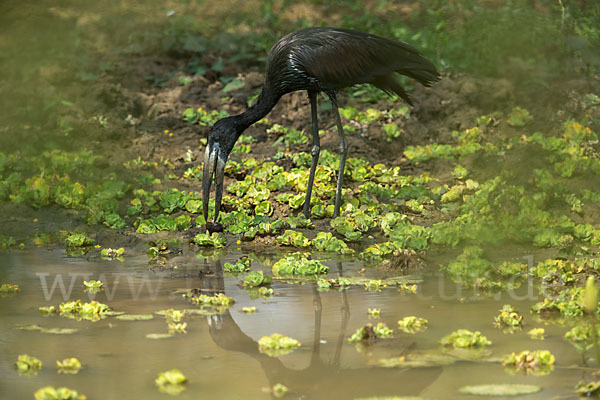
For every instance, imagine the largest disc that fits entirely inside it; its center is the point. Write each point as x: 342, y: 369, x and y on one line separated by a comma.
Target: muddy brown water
x: 219, y: 354
x: 47, y: 104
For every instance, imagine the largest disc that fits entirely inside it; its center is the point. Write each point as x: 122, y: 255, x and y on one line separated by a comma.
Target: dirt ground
x: 139, y: 113
x: 451, y: 104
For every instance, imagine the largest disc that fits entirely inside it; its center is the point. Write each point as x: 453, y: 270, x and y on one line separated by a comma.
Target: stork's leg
x: 344, y: 323
x: 318, y: 307
x: 343, y: 154
x: 316, y: 149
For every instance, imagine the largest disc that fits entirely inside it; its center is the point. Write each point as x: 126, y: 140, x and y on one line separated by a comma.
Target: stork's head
x: 221, y: 139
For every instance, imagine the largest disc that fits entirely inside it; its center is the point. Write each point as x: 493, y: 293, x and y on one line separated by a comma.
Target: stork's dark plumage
x: 316, y: 60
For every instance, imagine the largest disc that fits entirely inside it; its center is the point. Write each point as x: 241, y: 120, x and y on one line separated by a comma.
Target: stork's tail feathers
x: 425, y: 73
x: 391, y: 84
x: 413, y: 65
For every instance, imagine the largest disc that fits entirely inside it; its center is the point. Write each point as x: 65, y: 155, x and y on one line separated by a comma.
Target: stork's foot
x: 306, y: 213
x: 212, y: 227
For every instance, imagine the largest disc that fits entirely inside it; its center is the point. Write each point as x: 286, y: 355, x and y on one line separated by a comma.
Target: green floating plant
x: 78, y: 240
x: 135, y: 317
x: 298, y: 265
x: 53, y: 331
x: 293, y: 238
x: 505, y: 389
x: 325, y: 241
x: 92, y: 311
x: 47, y: 310
x: 371, y: 332
x: 93, y: 284
x: 537, y: 333
x: 341, y: 283
x: 279, y: 390
x: 587, y: 389
x: 112, y: 254
x: 465, y: 339
x: 62, y: 393
x: 69, y: 366
x: 537, y: 362
x: 214, y: 239
x: 9, y: 289
x: 412, y: 324
x: 164, y: 223
x: 277, y: 345
x: 508, y: 318
x: 171, y: 382
x: 519, y: 117
x: 28, y: 365
x: 241, y: 265
x: 255, y: 279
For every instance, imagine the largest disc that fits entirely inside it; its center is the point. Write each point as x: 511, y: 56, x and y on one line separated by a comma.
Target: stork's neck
x: 264, y: 103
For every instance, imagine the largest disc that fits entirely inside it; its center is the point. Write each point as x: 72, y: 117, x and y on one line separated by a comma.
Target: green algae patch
x: 219, y: 300
x: 508, y: 319
x: 418, y: 359
x: 345, y: 226
x: 9, y: 289
x: 135, y: 317
x: 164, y: 222
x: 241, y: 265
x: 93, y: 284
x: 161, y: 249
x: 465, y: 339
x: 390, y: 398
x: 172, y: 315
x: 214, y: 239
x: 374, y: 285
x: 504, y: 389
x: 256, y: 279
x: 279, y: 390
x: 68, y: 366
x: 406, y: 283
x: 78, y: 240
x: 568, y: 302
x: 293, y: 238
x: 47, y: 310
x: 177, y: 327
x: 537, y: 333
x: 202, y: 117
x: 339, y: 283
x: 298, y: 265
x: 171, y: 382
x: 265, y: 292
x: 78, y: 310
x: 326, y: 242
x: 157, y: 336
x: 587, y: 389
x: 112, y: 254
x: 28, y: 365
x: 412, y: 324
x: 53, y: 331
x: 277, y: 345
x: 537, y: 362
x: 61, y: 393
x: 374, y: 312
x: 370, y: 332
x: 582, y: 336
x: 519, y: 117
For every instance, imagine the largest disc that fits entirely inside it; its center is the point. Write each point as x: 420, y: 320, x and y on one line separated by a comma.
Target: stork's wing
x: 339, y: 57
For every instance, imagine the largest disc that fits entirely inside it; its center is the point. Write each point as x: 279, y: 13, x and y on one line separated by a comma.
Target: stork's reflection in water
x: 324, y: 372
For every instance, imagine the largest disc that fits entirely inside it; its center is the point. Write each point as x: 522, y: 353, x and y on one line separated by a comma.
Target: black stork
x: 318, y: 59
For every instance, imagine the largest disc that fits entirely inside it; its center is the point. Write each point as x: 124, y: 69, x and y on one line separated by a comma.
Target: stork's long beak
x: 214, y: 164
